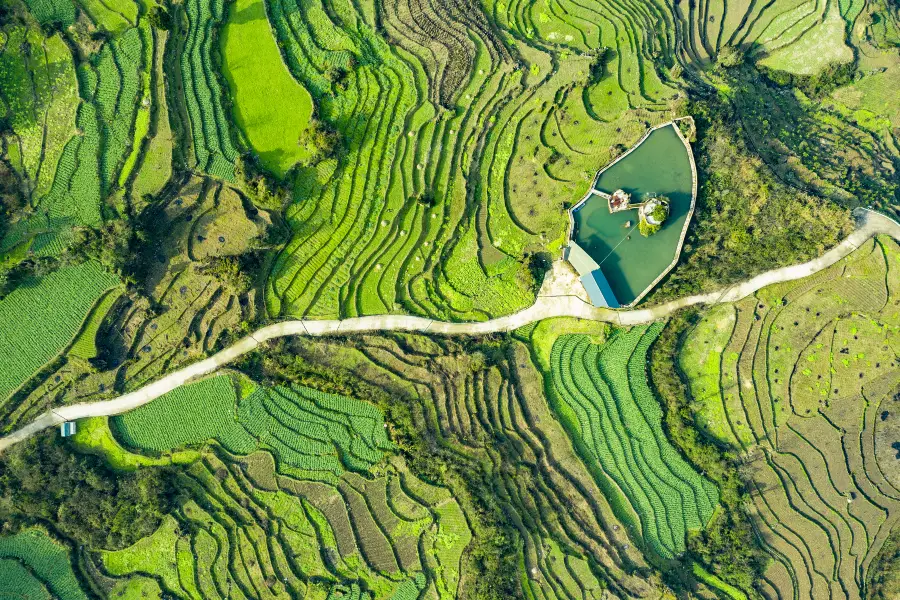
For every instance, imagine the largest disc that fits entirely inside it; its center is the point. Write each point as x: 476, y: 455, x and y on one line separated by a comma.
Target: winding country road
x: 561, y: 295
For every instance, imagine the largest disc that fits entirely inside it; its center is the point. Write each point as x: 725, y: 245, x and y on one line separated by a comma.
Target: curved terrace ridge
x: 561, y: 296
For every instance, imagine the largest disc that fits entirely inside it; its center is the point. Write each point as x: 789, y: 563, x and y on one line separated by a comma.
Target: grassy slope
x: 270, y: 107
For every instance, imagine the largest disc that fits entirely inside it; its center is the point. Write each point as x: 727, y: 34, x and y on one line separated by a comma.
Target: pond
x: 660, y: 165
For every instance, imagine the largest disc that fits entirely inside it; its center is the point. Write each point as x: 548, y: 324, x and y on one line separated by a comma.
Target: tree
x: 41, y: 479
x: 108, y: 244
x: 261, y: 191
x: 159, y: 18
x: 319, y: 140
x: 228, y: 270
x: 730, y: 57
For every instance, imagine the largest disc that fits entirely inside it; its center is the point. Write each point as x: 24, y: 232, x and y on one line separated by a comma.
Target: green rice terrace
x: 476, y: 299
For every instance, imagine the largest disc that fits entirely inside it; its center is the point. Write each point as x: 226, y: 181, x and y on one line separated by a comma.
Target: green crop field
x: 176, y: 176
x: 45, y: 564
x: 213, y: 150
x: 270, y: 107
x: 314, y: 432
x: 307, y: 544
x: 38, y: 321
x: 604, y: 400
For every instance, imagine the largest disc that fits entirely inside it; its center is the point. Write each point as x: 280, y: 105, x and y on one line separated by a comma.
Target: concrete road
x: 561, y: 295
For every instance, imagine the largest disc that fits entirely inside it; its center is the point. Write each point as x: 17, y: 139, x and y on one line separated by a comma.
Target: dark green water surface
x: 630, y: 262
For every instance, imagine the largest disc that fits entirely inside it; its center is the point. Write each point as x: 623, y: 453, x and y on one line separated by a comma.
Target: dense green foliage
x: 41, y: 480
x: 884, y: 574
x: 746, y: 220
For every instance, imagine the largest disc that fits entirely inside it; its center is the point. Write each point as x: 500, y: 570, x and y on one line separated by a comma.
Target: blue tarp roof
x: 599, y: 290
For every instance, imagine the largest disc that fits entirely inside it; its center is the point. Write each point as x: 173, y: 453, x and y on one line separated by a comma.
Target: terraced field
x: 603, y: 399
x: 176, y: 175
x: 799, y: 379
x: 209, y: 144
x: 322, y: 506
x: 314, y: 433
x: 429, y: 115
x: 71, y: 167
x: 134, y: 341
x: 491, y: 414
x: 33, y: 565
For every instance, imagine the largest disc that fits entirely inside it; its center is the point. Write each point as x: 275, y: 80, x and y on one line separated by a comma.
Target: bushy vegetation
x: 728, y: 542
x: 45, y: 482
x: 884, y: 575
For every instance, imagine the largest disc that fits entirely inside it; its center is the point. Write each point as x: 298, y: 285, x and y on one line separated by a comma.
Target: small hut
x: 619, y: 200
x: 67, y: 429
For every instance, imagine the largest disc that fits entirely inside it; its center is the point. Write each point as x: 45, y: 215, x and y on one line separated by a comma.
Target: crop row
x: 39, y: 96
x: 618, y: 421
x: 214, y: 151
x: 437, y: 195
x: 37, y: 322
x: 83, y: 169
x: 373, y: 227
x: 119, y: 67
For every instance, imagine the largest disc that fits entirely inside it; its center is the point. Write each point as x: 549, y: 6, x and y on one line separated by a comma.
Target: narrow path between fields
x: 561, y: 295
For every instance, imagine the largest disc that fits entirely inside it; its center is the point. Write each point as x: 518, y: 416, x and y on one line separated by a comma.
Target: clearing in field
x: 270, y: 107
x: 606, y: 247
x: 819, y: 47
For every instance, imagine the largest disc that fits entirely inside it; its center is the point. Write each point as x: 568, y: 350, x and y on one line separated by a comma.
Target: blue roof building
x: 592, y: 277
x: 599, y: 290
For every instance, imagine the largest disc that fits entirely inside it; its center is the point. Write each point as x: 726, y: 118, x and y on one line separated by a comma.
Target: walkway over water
x: 660, y: 164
